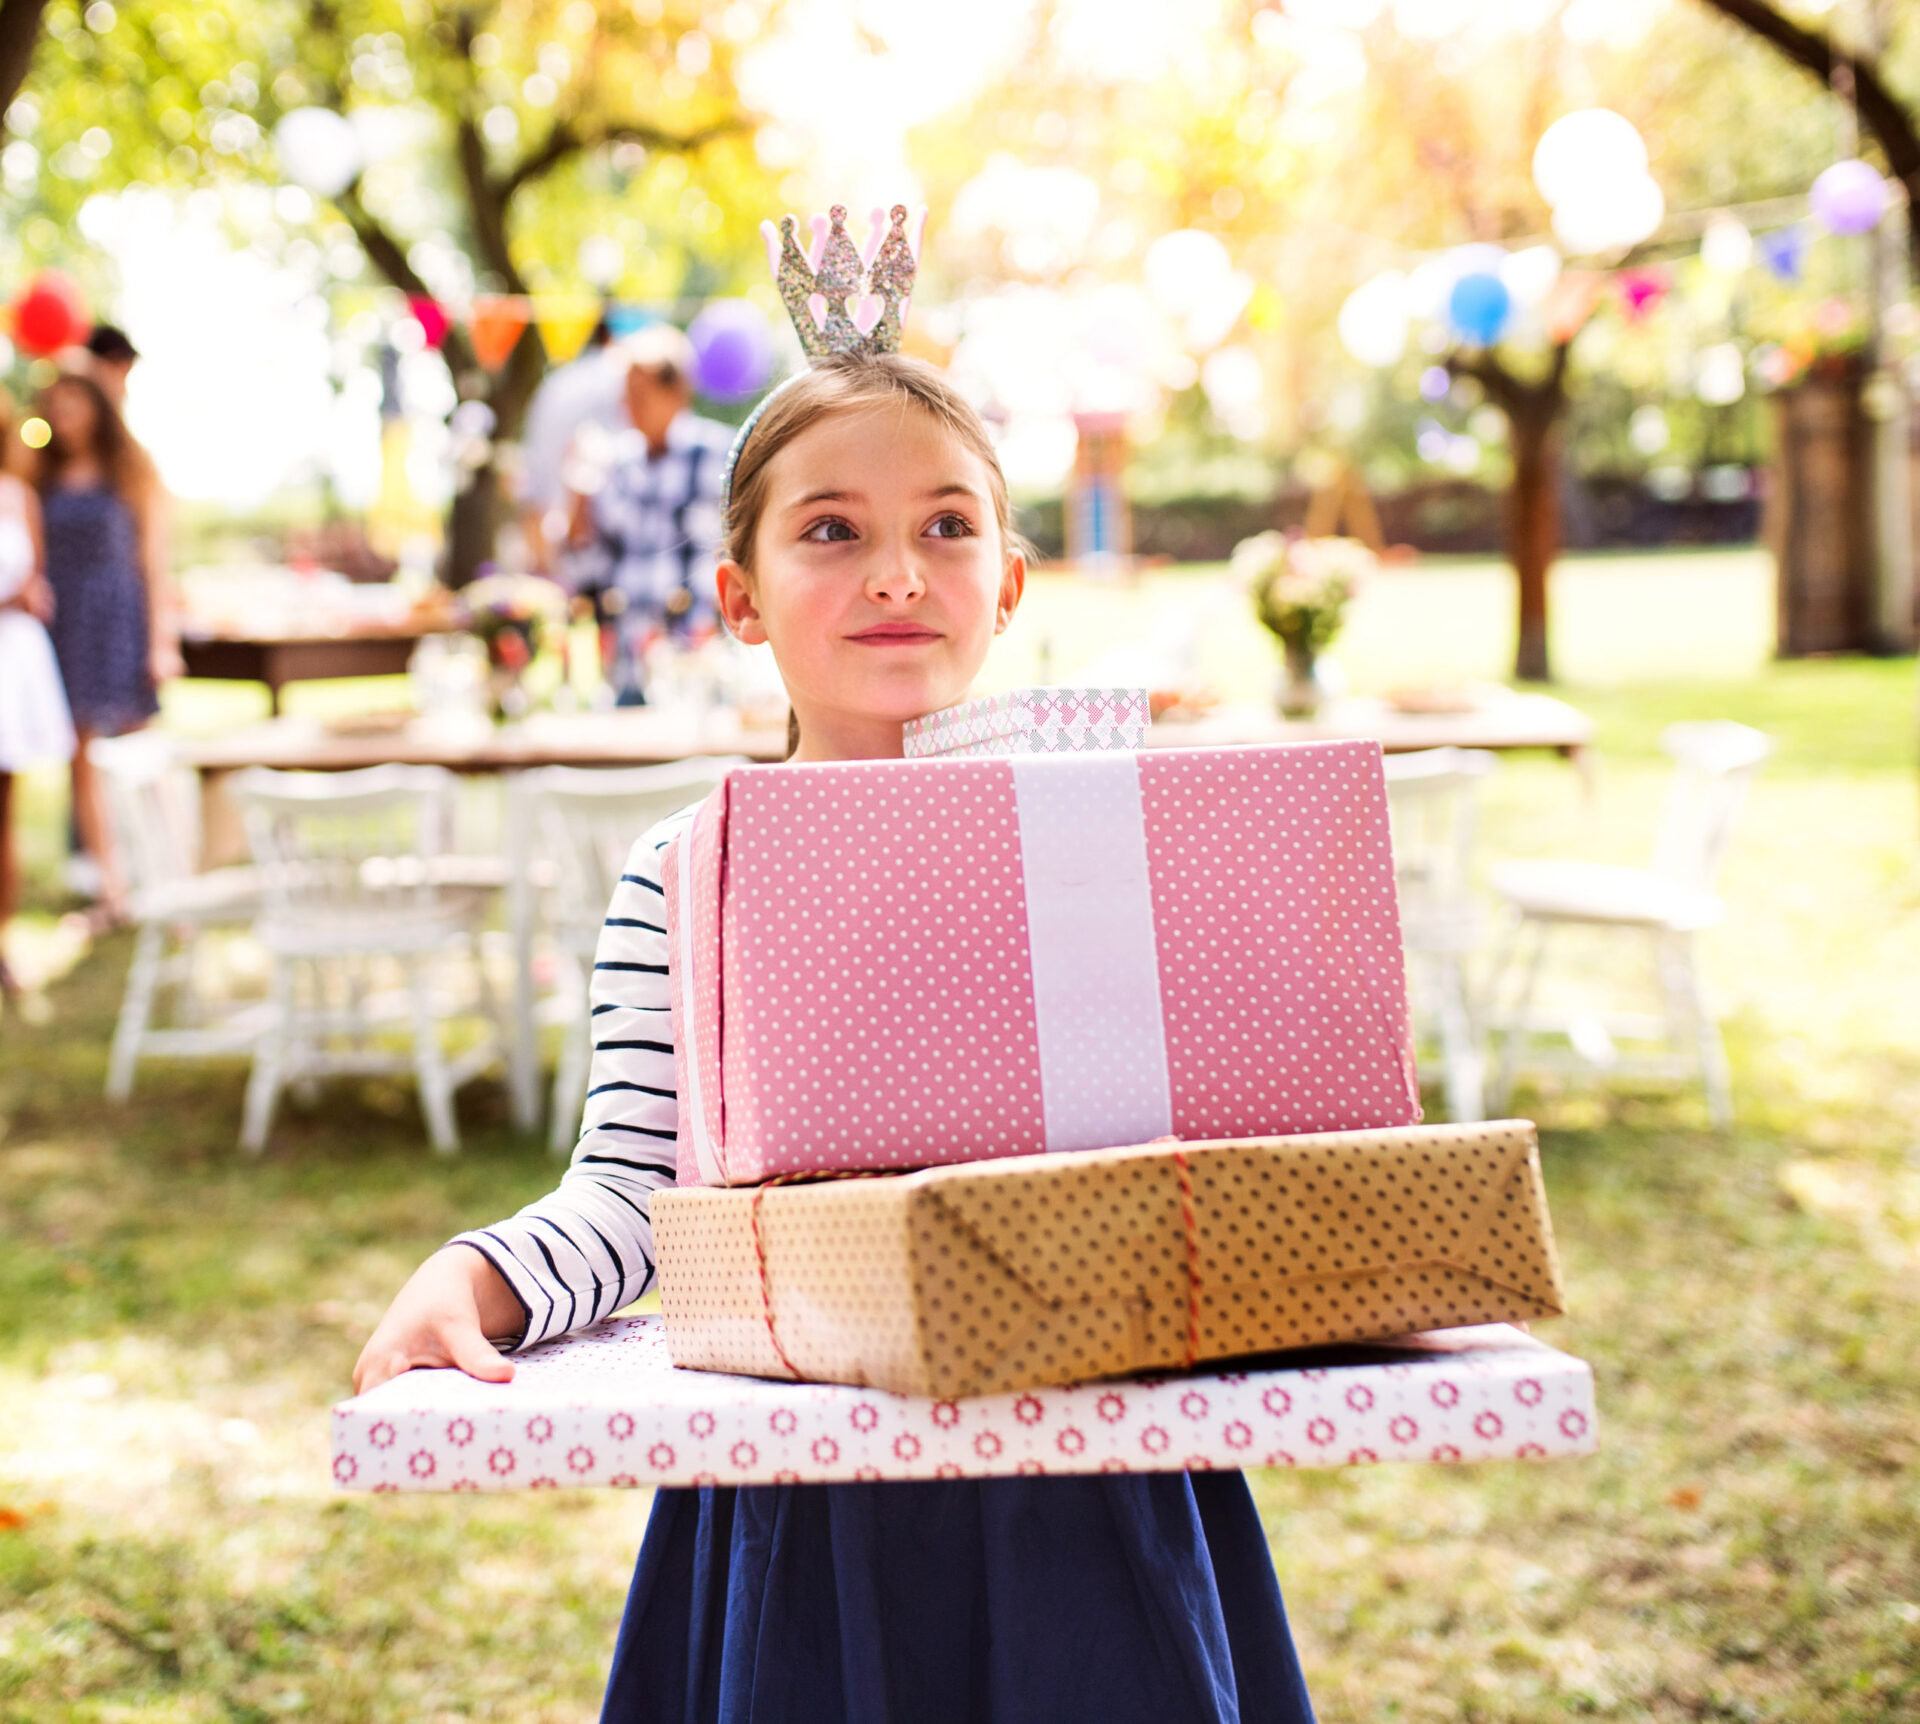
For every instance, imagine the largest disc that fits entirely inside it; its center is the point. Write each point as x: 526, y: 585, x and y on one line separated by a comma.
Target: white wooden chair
x: 588, y: 821
x: 1434, y: 798
x: 1668, y: 904
x: 153, y: 801
x: 358, y: 885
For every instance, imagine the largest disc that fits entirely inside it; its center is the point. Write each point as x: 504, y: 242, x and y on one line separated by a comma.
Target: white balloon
x: 318, y: 150
x: 1186, y: 269
x: 1373, y: 321
x: 1590, y: 147
x: 1609, y: 218
x: 1720, y: 375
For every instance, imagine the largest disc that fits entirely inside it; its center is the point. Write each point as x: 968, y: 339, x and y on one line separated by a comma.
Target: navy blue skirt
x: 1113, y: 1599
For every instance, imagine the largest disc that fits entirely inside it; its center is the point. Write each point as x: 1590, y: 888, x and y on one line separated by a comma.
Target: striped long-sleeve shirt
x: 586, y: 1248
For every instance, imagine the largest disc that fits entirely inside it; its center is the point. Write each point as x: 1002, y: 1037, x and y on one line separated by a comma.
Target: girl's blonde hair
x: 853, y: 384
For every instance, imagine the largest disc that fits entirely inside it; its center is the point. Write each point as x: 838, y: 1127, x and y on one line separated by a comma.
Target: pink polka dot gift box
x: 607, y: 1407
x: 1033, y: 721
x: 901, y: 963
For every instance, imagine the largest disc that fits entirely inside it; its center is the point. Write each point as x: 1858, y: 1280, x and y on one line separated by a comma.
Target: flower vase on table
x: 1300, y: 589
x: 511, y: 616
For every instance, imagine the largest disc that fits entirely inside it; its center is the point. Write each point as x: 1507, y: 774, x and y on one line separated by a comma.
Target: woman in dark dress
x: 113, y: 627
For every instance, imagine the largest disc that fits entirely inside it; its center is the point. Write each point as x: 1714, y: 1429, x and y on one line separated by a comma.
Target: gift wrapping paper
x: 995, y: 1276
x: 607, y: 1407
x: 888, y: 964
x: 1033, y: 721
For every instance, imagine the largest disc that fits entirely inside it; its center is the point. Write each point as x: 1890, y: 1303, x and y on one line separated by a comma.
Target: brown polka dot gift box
x: 898, y: 963
x: 991, y: 1277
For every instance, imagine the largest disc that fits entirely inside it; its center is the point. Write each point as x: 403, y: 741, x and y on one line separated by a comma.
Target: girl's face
x: 880, y: 577
x: 70, y: 416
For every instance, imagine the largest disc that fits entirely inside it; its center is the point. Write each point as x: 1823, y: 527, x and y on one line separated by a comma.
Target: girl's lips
x: 895, y: 634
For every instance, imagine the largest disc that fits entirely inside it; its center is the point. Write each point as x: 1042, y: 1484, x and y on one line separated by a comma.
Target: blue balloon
x: 732, y: 349
x: 1478, y: 308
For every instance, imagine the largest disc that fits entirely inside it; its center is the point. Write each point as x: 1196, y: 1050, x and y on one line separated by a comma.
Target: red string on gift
x: 1190, y: 1225
x: 766, y: 1286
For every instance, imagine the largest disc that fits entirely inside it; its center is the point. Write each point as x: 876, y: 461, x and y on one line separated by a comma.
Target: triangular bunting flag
x: 498, y: 320
x: 564, y: 321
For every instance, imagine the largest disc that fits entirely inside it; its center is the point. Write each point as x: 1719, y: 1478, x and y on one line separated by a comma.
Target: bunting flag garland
x: 1784, y: 252
x: 498, y: 321
x: 1641, y: 291
x: 1570, y: 302
x: 431, y: 315
x: 564, y: 322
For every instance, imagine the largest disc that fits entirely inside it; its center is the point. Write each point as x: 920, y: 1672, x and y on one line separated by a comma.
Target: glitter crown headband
x: 844, y: 301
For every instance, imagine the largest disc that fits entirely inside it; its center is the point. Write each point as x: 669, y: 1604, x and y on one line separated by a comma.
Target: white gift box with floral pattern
x: 607, y: 1407
x: 1033, y: 721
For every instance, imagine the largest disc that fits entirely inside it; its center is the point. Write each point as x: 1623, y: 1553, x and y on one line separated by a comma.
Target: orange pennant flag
x: 498, y: 320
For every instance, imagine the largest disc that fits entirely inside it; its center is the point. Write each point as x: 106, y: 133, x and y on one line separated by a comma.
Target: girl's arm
x: 585, y: 1249
x: 35, y: 595
x: 156, y: 565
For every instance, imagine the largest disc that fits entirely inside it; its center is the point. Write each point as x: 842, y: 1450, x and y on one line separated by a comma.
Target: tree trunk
x: 473, y: 523
x: 19, y: 35
x: 1533, y: 534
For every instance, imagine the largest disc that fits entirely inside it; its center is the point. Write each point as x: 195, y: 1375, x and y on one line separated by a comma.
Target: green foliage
x: 499, y: 135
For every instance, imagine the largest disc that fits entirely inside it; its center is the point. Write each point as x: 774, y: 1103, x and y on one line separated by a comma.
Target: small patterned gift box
x: 890, y: 964
x: 1054, y: 1269
x: 1033, y: 721
x: 607, y: 1408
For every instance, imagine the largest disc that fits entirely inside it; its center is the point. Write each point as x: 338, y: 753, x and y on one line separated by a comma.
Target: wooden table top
x: 469, y: 743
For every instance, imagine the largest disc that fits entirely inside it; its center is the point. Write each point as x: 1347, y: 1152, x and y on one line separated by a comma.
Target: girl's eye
x: 830, y: 530
x: 952, y: 527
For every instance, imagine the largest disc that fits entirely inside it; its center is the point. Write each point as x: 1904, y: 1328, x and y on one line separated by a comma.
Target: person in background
x: 35, y: 728
x: 107, y: 562
x: 654, y: 513
x: 111, y: 357
x: 582, y: 395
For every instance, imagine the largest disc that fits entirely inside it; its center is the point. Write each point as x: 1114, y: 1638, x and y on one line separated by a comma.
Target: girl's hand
x: 164, y: 662
x: 36, y: 598
x: 443, y: 1316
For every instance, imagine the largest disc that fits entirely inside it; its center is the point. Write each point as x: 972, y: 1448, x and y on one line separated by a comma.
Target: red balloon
x: 50, y: 315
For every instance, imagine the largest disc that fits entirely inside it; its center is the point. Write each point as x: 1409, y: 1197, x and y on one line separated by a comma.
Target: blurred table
x: 469, y: 743
x: 300, y: 658
x: 1502, y: 722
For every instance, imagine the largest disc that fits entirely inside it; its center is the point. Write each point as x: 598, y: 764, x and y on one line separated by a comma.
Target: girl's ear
x: 1013, y: 583
x: 737, y: 608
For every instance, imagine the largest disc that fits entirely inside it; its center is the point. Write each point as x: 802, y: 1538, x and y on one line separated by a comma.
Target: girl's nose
x: 896, y: 577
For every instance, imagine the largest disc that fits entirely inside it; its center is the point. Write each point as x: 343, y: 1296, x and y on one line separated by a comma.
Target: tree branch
x: 566, y: 140
x: 19, y: 36
x: 1880, y: 110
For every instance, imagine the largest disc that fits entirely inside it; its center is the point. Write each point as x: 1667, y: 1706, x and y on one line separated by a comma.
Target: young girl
x: 869, y: 541
x: 106, y: 559
x: 34, y: 726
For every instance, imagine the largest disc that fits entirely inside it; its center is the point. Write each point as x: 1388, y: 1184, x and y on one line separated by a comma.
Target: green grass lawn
x: 1746, y: 1545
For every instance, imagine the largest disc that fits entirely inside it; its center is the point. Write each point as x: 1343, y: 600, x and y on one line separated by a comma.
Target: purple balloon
x: 732, y: 349
x: 1850, y: 197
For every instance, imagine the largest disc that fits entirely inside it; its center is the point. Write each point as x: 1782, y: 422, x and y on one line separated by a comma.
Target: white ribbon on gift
x: 1096, y: 967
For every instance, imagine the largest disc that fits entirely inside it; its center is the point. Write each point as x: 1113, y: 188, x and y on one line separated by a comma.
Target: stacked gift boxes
x: 993, y: 964
x: 1014, y: 1071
